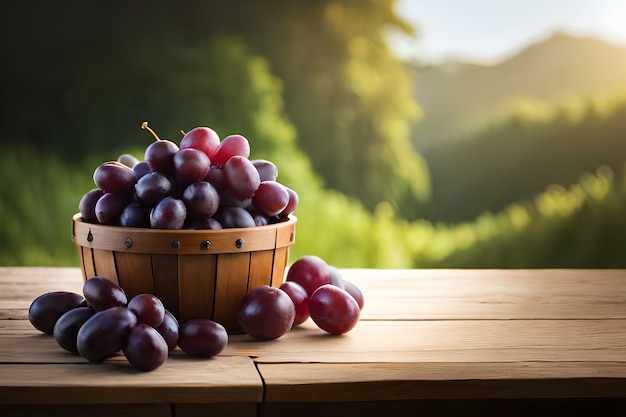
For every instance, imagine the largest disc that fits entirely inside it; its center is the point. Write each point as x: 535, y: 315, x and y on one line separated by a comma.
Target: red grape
x: 105, y: 333
x: 266, y: 313
x: 87, y: 205
x: 267, y: 169
x: 335, y: 277
x: 355, y: 292
x: 300, y: 300
x: 145, y: 348
x: 215, y: 176
x: 241, y: 177
x: 101, y: 293
x: 201, y: 138
x: 46, y: 309
x: 310, y: 272
x: 291, y: 205
x: 67, y: 327
x: 202, y: 337
x: 233, y: 145
x: 271, y: 198
x: 170, y: 213
x: 114, y: 177
x: 191, y: 165
x: 148, y: 309
x: 334, y: 310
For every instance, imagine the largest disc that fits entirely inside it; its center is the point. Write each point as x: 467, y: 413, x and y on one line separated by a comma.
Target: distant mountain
x: 460, y: 98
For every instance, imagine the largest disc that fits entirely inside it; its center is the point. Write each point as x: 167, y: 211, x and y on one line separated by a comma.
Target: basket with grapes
x: 198, y: 224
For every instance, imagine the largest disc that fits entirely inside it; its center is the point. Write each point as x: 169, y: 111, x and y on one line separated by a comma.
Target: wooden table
x: 430, y: 342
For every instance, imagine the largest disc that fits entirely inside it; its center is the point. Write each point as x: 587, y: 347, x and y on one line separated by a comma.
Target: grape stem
x: 145, y: 126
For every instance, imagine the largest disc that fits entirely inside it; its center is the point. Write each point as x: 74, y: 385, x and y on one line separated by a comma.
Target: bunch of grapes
x: 102, y: 322
x: 205, y: 183
x: 312, y: 288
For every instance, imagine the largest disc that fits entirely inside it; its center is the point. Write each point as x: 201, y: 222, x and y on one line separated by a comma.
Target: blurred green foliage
x: 314, y: 89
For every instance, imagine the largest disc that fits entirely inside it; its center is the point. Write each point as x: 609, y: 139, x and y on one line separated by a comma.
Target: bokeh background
x: 418, y: 134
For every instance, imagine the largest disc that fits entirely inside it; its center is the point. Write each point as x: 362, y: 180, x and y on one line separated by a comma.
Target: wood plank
x: 536, y: 407
x: 218, y: 409
x: 490, y: 294
x: 418, y: 380
x: 447, y: 340
x: 182, y: 379
x: 95, y: 410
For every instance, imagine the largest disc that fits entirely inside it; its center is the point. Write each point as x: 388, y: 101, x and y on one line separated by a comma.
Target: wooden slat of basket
x: 261, y: 264
x: 104, y: 262
x: 232, y: 268
x: 87, y: 262
x: 134, y: 271
x: 281, y: 256
x: 196, y: 285
x: 165, y: 281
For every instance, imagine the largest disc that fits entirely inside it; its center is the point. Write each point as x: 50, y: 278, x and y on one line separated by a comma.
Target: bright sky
x: 488, y: 30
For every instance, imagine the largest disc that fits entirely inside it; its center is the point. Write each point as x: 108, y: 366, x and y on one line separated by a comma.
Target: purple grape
x: 170, y: 213
x: 310, y: 272
x: 101, y: 293
x: 135, y: 215
x: 215, y: 176
x: 159, y: 156
x: 148, y: 309
x: 145, y: 348
x: 105, y: 333
x: 292, y: 205
x: 142, y: 168
x: 205, y: 224
x: 234, y: 217
x: 202, y: 338
x: 114, y: 177
x: 46, y: 309
x: 152, y: 188
x: 266, y: 313
x: 87, y: 205
x: 300, y: 300
x: 67, y: 327
x: 169, y: 329
x: 355, y: 292
x: 201, y: 200
x: 109, y: 208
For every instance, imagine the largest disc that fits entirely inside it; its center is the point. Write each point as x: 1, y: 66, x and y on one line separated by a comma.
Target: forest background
x: 398, y: 164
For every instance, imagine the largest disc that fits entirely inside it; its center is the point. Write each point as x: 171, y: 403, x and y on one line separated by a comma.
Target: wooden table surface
x: 429, y: 342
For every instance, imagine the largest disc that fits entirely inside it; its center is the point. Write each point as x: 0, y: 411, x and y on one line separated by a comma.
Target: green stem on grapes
x: 145, y: 126
x: 182, y: 132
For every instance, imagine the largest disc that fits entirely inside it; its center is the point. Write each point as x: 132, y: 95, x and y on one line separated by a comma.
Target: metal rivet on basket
x: 89, y: 236
x: 291, y: 237
x: 239, y: 243
x: 205, y: 245
x: 128, y: 242
x: 175, y: 244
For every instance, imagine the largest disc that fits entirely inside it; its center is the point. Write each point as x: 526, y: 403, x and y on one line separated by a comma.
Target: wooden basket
x: 195, y: 273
